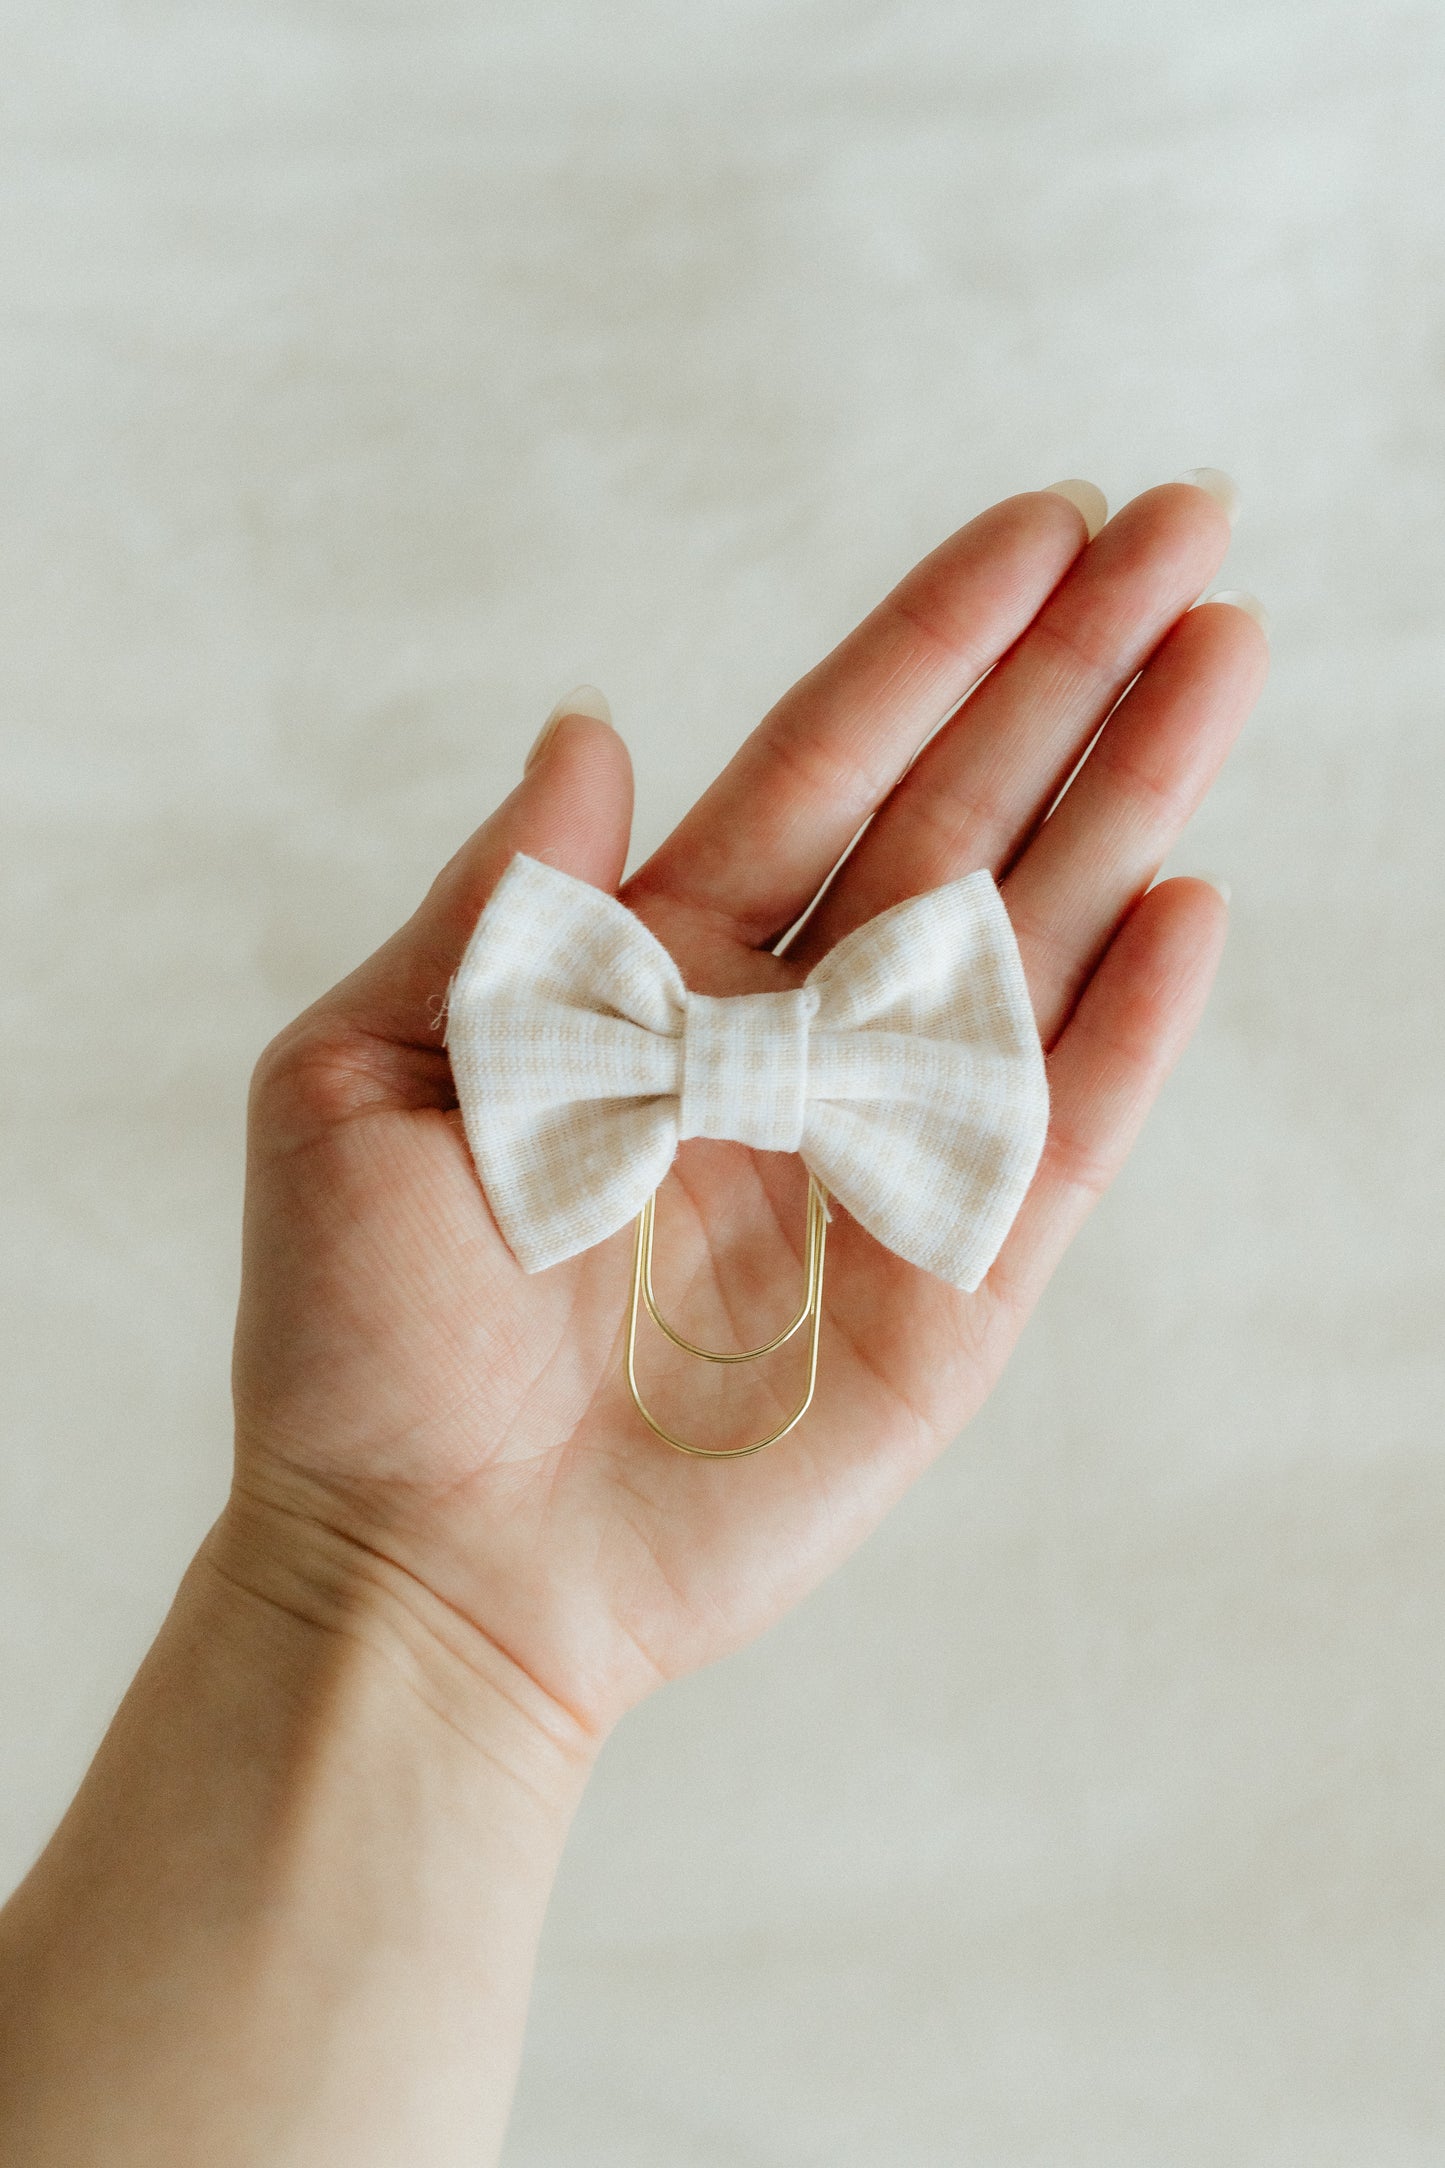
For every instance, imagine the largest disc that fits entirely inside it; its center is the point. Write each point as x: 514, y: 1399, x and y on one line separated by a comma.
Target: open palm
x: 405, y: 1392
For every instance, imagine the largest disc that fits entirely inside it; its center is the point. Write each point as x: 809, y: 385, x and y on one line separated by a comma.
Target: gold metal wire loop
x: 810, y: 1313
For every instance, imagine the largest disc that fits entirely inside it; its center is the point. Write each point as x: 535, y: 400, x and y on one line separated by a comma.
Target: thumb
x: 572, y: 808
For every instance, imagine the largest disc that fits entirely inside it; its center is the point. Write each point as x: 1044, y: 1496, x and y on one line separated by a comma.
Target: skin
x: 292, y: 1913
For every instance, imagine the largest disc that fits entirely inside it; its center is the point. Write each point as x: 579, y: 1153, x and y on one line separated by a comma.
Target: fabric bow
x: 906, y: 1069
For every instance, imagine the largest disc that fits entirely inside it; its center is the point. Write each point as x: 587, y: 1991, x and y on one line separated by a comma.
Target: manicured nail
x: 582, y: 700
x: 1250, y: 604
x: 1085, y: 498
x: 1217, y: 485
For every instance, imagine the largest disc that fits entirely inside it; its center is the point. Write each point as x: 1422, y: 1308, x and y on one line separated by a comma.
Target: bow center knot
x: 745, y: 1067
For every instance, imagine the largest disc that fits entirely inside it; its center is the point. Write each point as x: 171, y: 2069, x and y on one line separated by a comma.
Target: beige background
x: 370, y: 373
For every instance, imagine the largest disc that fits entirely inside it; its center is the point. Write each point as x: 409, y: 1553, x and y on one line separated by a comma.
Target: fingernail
x: 1085, y: 498
x: 582, y: 700
x: 1222, y: 887
x: 1250, y: 604
x: 1216, y: 484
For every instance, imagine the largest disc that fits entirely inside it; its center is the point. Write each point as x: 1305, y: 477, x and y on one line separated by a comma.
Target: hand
x: 412, y: 1409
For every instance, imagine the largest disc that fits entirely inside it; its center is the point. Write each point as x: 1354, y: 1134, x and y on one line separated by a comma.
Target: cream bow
x: 906, y: 1069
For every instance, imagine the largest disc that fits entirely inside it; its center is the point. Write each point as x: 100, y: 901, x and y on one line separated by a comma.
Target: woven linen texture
x: 906, y: 1069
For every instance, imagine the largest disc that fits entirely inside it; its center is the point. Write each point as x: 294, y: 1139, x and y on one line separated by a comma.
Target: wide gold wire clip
x: 810, y: 1315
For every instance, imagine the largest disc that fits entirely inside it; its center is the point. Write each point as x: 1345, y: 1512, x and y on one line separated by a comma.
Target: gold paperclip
x: 811, y: 1313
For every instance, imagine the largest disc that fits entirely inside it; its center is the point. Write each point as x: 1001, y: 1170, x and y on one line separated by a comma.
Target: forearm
x: 293, y: 1911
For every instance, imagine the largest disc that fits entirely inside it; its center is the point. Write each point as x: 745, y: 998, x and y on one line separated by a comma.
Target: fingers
x: 1120, y: 817
x: 760, y: 842
x: 572, y: 808
x: 1134, y: 1020
x: 988, y: 778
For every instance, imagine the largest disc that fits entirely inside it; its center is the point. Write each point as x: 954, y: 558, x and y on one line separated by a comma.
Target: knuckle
x: 305, y: 1078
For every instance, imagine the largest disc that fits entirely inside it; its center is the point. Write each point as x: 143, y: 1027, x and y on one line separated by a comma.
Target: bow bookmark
x: 906, y: 1070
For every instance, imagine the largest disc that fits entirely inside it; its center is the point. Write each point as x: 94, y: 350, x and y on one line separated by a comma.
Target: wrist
x: 295, y: 1905
x: 341, y: 1609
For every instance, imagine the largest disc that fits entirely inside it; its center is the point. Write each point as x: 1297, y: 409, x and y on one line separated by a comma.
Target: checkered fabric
x: 906, y: 1069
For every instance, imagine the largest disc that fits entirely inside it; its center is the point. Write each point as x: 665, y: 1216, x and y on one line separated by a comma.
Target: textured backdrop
x: 372, y: 370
